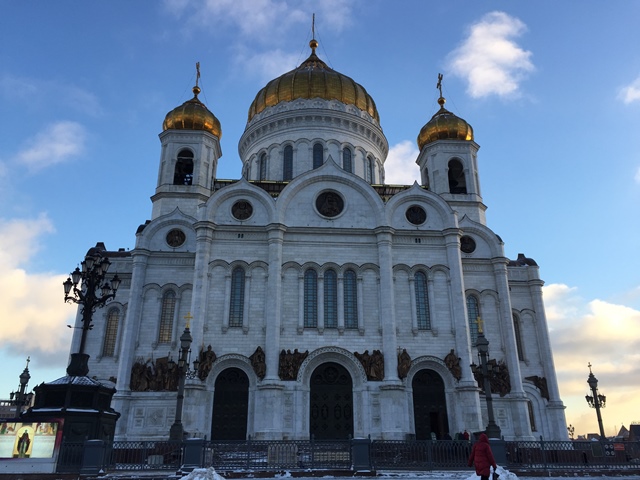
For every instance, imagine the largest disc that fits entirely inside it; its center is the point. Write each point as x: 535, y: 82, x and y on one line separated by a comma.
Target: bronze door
x: 331, y: 406
x: 429, y: 405
x: 230, y: 406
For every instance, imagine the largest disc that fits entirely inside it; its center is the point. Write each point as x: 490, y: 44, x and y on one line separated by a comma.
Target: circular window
x: 242, y: 210
x: 329, y: 204
x: 467, y: 244
x: 415, y: 214
x: 176, y: 237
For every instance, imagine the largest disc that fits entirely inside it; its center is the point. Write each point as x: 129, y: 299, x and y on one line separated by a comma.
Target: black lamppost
x: 596, y: 400
x: 492, y: 430
x: 82, y: 288
x: 176, y: 433
x: 19, y: 398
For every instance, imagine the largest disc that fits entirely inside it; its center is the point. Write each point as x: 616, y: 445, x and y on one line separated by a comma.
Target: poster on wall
x: 29, y: 440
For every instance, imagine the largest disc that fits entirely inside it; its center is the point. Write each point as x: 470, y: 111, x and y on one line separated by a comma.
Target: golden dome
x: 313, y: 79
x: 444, y: 125
x: 192, y: 115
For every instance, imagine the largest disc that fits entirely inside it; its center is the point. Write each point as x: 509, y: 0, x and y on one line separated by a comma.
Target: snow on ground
x: 210, y: 474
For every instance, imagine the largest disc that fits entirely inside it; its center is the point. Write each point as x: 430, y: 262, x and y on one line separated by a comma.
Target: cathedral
x: 321, y: 301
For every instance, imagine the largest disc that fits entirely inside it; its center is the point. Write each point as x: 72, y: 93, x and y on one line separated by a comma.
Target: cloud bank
x: 400, y: 166
x: 489, y: 59
x: 31, y: 306
x: 605, y: 334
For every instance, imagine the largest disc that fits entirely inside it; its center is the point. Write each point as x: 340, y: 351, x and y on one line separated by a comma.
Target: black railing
x: 573, y: 455
x: 359, y: 454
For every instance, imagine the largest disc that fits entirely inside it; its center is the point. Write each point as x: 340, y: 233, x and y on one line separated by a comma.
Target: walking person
x: 482, y: 457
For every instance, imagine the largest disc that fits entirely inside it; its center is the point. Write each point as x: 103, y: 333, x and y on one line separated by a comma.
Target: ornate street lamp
x: 596, y: 400
x: 19, y: 398
x: 493, y: 429
x: 572, y: 430
x: 87, y: 287
x: 176, y: 433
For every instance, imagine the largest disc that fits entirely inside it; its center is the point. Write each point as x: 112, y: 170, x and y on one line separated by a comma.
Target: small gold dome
x: 313, y: 79
x: 444, y: 125
x: 192, y: 115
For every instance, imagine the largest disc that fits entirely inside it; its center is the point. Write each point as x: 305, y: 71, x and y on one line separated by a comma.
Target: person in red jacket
x: 482, y: 457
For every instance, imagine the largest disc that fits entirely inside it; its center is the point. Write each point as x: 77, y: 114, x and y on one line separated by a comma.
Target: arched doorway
x: 230, y: 405
x: 429, y: 405
x: 331, y: 404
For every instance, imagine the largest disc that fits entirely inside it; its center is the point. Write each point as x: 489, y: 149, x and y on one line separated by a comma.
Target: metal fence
x: 359, y: 454
x: 573, y: 455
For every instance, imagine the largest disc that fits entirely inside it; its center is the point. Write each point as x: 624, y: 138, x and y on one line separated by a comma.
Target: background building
x: 323, y: 301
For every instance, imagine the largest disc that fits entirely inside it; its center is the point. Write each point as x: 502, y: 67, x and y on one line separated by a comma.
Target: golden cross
x: 439, y: 84
x: 589, y: 365
x: 479, y: 322
x: 313, y: 26
x: 28, y: 360
x: 197, y: 72
x: 188, y: 318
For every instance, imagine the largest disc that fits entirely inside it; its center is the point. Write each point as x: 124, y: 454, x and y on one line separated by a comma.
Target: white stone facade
x: 289, y: 232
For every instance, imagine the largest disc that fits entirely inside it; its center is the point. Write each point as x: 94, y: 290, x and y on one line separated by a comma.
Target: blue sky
x: 552, y: 90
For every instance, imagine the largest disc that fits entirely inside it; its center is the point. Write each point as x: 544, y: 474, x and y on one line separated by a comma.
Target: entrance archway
x: 429, y: 405
x: 331, y: 402
x: 230, y: 405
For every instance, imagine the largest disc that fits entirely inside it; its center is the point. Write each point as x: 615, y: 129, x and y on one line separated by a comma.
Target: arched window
x: 166, y: 316
x: 473, y: 313
x: 310, y: 298
x: 347, y: 164
x: 516, y: 329
x: 236, y: 307
x: 318, y: 155
x: 532, y: 418
x: 457, y: 182
x: 369, y: 170
x: 183, y: 173
x: 262, y: 167
x: 350, y: 300
x: 422, y: 301
x: 287, y: 163
x: 330, y: 299
x: 111, y: 332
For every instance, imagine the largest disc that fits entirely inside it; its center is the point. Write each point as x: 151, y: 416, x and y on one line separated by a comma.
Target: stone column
x: 204, y: 241
x: 470, y: 416
x: 387, y: 304
x: 269, y: 414
x: 121, y: 399
x: 556, y: 416
x: 519, y: 408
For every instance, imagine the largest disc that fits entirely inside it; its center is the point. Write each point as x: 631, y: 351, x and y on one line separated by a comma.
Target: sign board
x: 30, y: 440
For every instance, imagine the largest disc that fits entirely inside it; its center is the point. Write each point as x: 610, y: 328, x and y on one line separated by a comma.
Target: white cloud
x: 262, y: 20
x: 604, y: 334
x: 637, y: 176
x: 630, y: 93
x: 266, y: 65
x: 400, y: 167
x: 34, y: 315
x: 489, y: 60
x: 58, y: 143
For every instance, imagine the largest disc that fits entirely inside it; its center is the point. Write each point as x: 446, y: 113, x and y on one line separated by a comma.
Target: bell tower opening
x: 331, y: 403
x: 183, y: 173
x: 457, y: 182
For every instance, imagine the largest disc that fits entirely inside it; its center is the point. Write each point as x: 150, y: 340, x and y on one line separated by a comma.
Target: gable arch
x: 231, y: 360
x: 432, y: 363
x: 215, y: 207
x: 330, y: 176
x: 332, y: 354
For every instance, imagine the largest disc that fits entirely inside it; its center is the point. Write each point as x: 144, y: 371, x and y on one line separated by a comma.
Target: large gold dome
x: 444, y: 125
x: 313, y: 79
x: 192, y: 115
